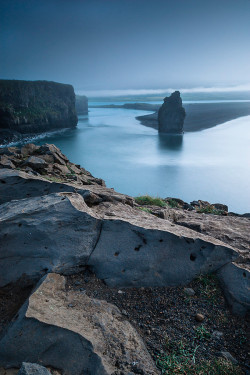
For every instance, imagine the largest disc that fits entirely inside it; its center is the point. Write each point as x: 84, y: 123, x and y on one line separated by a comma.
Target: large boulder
x: 73, y: 333
x: 171, y: 114
x: 59, y: 232
x: 235, y: 282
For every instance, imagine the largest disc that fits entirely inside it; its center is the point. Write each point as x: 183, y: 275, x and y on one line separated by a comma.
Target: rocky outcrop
x: 171, y: 114
x: 29, y: 107
x: 56, y: 217
x: 81, y: 105
x: 52, y: 319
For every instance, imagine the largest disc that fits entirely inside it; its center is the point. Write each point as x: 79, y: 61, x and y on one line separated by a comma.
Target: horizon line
x: 125, y: 92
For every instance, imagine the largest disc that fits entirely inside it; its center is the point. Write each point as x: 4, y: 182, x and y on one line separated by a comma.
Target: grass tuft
x: 180, y: 360
x: 146, y: 200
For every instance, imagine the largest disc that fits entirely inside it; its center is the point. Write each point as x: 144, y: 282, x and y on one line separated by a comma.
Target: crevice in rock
x: 96, y: 243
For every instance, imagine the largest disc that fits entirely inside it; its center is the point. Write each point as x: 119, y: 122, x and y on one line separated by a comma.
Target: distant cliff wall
x: 28, y: 107
x: 81, y: 104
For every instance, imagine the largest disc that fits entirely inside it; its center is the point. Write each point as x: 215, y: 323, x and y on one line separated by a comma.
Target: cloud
x: 129, y: 92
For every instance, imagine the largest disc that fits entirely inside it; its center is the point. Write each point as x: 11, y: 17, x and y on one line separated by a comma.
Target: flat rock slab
x: 59, y: 232
x: 15, y: 184
x: 73, y: 333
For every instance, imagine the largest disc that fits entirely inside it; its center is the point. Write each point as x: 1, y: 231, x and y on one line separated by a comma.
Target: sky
x: 127, y: 44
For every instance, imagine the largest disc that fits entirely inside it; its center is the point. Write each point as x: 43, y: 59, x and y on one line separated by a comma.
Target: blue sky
x: 126, y: 44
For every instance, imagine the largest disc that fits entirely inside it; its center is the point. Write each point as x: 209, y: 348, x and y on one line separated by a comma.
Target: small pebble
x: 120, y: 292
x: 217, y: 334
x: 189, y: 291
x: 199, y: 317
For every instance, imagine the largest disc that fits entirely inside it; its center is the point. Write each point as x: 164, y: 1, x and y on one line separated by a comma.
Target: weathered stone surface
x: 149, y: 253
x: 35, y: 162
x: 235, y: 282
x: 228, y: 229
x: 29, y: 149
x: 32, y: 369
x: 6, y: 163
x: 134, y: 253
x: 171, y: 114
x: 74, y: 333
x: 53, y: 232
x: 15, y: 184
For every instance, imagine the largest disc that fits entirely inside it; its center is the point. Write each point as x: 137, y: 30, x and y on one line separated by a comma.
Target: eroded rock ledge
x: 55, y: 217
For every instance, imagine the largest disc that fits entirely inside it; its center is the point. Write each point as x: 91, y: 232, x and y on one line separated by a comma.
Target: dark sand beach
x: 201, y: 116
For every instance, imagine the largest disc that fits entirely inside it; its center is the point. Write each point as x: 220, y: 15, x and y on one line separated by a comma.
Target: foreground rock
x: 56, y: 217
x: 59, y: 232
x: 29, y: 107
x: 171, y: 115
x: 52, y: 321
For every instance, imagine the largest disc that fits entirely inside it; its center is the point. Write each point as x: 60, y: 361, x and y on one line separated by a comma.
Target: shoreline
x: 199, y: 116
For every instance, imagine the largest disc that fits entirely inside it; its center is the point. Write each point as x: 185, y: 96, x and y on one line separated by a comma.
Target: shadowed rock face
x: 28, y: 107
x: 171, y: 114
x: 81, y: 104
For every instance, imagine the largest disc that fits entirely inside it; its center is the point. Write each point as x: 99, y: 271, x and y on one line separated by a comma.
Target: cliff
x: 81, y: 105
x: 171, y: 114
x: 28, y: 107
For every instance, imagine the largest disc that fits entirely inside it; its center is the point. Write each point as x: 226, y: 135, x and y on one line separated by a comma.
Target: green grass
x: 209, y: 287
x: 172, y: 203
x: 53, y: 179
x: 201, y: 333
x: 210, y: 210
x: 145, y: 209
x: 71, y: 170
x: 180, y: 360
x: 146, y: 200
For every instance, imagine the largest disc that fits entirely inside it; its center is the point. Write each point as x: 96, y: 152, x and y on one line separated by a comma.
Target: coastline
x: 203, y: 116
x: 199, y: 116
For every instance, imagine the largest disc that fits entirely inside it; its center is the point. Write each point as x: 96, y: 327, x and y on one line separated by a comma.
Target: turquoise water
x: 211, y: 165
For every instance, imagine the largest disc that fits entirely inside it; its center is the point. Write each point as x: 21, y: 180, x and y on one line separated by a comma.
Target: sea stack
x: 171, y: 115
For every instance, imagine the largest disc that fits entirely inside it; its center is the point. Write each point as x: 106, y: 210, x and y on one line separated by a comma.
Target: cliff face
x: 171, y: 114
x: 81, y: 104
x: 34, y: 107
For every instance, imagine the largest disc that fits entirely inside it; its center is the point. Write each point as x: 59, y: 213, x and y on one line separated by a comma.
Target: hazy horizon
x: 127, y: 45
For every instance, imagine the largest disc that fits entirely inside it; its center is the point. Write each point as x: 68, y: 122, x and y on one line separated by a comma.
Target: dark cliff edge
x: 82, y: 105
x: 31, y: 107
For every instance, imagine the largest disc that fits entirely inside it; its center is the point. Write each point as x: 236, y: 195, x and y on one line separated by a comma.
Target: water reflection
x: 170, y: 141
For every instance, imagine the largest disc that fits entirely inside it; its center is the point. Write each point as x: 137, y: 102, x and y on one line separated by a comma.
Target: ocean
x: 211, y: 164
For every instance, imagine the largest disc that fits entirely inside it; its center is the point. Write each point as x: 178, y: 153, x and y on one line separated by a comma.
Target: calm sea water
x: 210, y: 165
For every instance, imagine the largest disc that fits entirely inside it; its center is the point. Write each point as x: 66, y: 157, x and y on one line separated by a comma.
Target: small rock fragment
x: 189, y: 291
x: 217, y: 334
x: 33, y: 369
x: 199, y: 317
x: 229, y: 357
